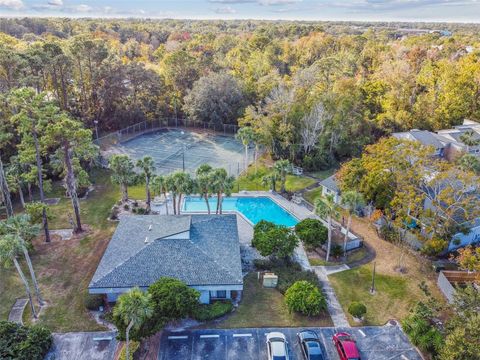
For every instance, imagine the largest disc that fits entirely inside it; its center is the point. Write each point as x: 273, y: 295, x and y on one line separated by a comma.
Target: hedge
x: 23, y: 343
x: 207, y: 312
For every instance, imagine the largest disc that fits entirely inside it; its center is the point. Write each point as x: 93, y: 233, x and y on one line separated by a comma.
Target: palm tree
x: 326, y: 208
x: 159, y: 186
x: 171, y: 185
x: 351, y: 200
x: 281, y: 168
x: 20, y: 227
x: 147, y: 165
x: 469, y: 162
x: 184, y: 185
x: 5, y: 191
x: 469, y: 138
x: 133, y: 308
x: 270, y: 181
x: 204, y: 182
x: 122, y: 173
x: 246, y: 136
x: 15, y: 178
x: 256, y: 141
x: 10, y: 247
x: 222, y: 183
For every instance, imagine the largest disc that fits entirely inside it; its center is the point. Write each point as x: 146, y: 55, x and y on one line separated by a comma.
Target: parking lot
x: 374, y: 343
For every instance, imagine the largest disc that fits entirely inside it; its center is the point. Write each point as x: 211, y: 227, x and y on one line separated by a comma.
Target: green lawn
x: 252, y: 180
x: 322, y: 174
x: 393, y: 298
x: 262, y: 307
x: 311, y: 195
x: 64, y: 268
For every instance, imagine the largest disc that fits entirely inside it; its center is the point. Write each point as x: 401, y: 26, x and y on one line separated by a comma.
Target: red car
x: 346, y: 346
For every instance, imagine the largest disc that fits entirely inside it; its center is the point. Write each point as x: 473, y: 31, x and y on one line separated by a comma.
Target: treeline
x: 314, y: 93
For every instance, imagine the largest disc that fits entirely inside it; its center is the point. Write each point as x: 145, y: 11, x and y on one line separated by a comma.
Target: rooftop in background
x: 197, y: 249
x: 448, y: 140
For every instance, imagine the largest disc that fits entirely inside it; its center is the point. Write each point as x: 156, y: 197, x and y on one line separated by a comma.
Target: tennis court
x: 175, y: 149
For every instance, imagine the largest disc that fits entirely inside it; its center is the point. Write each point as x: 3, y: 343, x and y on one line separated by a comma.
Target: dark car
x: 310, y: 344
x: 346, y: 346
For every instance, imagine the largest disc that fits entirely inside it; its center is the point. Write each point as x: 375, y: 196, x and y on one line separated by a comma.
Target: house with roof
x: 201, y: 250
x: 330, y: 187
x: 448, y: 143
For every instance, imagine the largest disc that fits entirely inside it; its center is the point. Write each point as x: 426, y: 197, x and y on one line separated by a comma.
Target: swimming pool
x: 253, y: 208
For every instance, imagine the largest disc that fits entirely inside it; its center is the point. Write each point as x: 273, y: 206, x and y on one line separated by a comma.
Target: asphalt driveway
x: 375, y: 343
x: 83, y: 345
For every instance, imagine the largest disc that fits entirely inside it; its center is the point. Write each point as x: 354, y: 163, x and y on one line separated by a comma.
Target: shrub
x: 141, y: 211
x: 93, y: 301
x: 434, y: 247
x: 24, y: 343
x: 173, y: 299
x: 126, y: 207
x: 312, y: 233
x: 207, y: 312
x: 305, y: 298
x: 357, y: 309
x: 261, y: 227
x: 418, y: 326
x: 336, y: 250
x: 272, y: 240
x: 389, y: 233
x: 133, y: 347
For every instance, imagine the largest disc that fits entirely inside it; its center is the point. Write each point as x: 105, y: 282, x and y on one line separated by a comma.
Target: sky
x: 368, y: 10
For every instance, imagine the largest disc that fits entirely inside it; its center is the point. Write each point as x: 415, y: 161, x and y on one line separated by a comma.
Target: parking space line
x: 361, y: 332
x: 177, y: 337
x: 242, y: 335
x: 209, y: 336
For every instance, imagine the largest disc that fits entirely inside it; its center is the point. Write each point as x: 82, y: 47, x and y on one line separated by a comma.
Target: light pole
x: 96, y: 127
x: 183, y: 153
x: 372, y: 289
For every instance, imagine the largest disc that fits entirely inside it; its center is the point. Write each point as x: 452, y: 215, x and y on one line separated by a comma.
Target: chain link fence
x: 143, y: 127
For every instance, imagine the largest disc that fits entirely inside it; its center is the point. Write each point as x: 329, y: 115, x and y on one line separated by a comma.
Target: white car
x: 277, y: 348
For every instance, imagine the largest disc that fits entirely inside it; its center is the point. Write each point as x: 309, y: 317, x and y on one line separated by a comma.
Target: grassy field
x: 64, y: 268
x: 252, y: 180
x: 311, y: 195
x: 262, y: 307
x: 392, y: 299
x: 396, y: 292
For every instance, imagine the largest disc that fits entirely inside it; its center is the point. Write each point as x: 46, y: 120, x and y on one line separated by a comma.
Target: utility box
x: 270, y: 280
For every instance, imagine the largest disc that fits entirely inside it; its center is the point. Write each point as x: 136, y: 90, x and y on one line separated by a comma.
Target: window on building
x: 219, y: 294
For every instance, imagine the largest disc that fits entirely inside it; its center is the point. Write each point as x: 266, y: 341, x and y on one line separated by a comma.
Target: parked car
x: 277, y: 346
x: 346, y: 346
x: 310, y: 344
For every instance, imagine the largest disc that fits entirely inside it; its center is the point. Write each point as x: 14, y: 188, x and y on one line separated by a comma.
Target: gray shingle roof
x: 210, y: 257
x: 330, y: 183
x: 425, y: 137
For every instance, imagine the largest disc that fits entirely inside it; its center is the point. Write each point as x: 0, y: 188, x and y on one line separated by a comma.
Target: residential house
x: 330, y: 187
x: 201, y: 250
x: 449, y: 143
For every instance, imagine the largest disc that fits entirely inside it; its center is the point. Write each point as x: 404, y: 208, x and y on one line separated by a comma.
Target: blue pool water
x: 253, y: 208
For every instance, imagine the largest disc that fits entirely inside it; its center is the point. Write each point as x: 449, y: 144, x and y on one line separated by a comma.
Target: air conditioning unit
x: 270, y: 280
